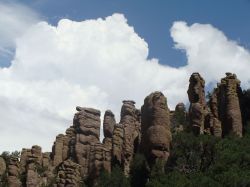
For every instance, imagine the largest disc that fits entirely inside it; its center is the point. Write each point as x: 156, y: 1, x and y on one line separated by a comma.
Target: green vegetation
x: 194, y: 161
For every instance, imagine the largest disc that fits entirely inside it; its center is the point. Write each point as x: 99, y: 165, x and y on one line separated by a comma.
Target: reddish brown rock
x: 108, y: 124
x: 197, y: 109
x: 156, y: 135
x: 117, y: 144
x: 131, y: 130
x: 13, y: 173
x: 108, y: 128
x: 229, y: 105
x: 87, y: 127
x: 215, y: 122
x: 100, y: 160
x: 2, y: 166
x: 178, y: 118
x: 57, y: 150
x: 68, y: 174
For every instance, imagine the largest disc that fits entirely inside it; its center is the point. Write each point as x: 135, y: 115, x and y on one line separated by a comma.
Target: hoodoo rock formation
x: 79, y: 156
x: 229, y: 105
x: 178, y: 118
x: 131, y: 132
x: 156, y: 135
x: 13, y: 173
x: 197, y: 109
x: 215, y: 123
x: 87, y: 125
x: 108, y: 128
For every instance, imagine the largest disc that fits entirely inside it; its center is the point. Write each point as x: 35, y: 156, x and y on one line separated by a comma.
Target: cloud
x: 14, y: 20
x: 98, y: 63
x: 210, y: 52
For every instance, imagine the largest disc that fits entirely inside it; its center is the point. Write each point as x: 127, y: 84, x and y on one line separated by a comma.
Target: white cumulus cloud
x: 98, y: 63
x: 210, y: 52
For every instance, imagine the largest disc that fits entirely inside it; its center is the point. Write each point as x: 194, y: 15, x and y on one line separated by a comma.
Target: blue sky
x: 153, y: 19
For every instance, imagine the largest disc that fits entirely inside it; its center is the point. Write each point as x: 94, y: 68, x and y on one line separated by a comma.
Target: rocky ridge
x: 78, y: 155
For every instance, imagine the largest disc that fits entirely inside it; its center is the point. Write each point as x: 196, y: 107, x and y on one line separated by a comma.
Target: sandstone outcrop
x: 155, y: 126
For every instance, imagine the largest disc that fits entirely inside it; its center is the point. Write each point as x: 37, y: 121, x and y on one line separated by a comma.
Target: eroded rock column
x: 156, y: 135
x: 197, y: 109
x: 229, y: 105
x: 87, y: 127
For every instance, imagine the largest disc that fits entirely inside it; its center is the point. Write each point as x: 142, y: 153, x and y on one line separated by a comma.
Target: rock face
x: 156, y: 135
x: 100, y: 159
x: 13, y: 173
x: 197, y: 109
x: 117, y: 145
x: 108, y: 128
x: 229, y: 105
x: 2, y: 166
x: 68, y: 174
x: 34, y: 162
x: 178, y: 118
x: 87, y: 127
x: 131, y: 130
x: 215, y: 123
